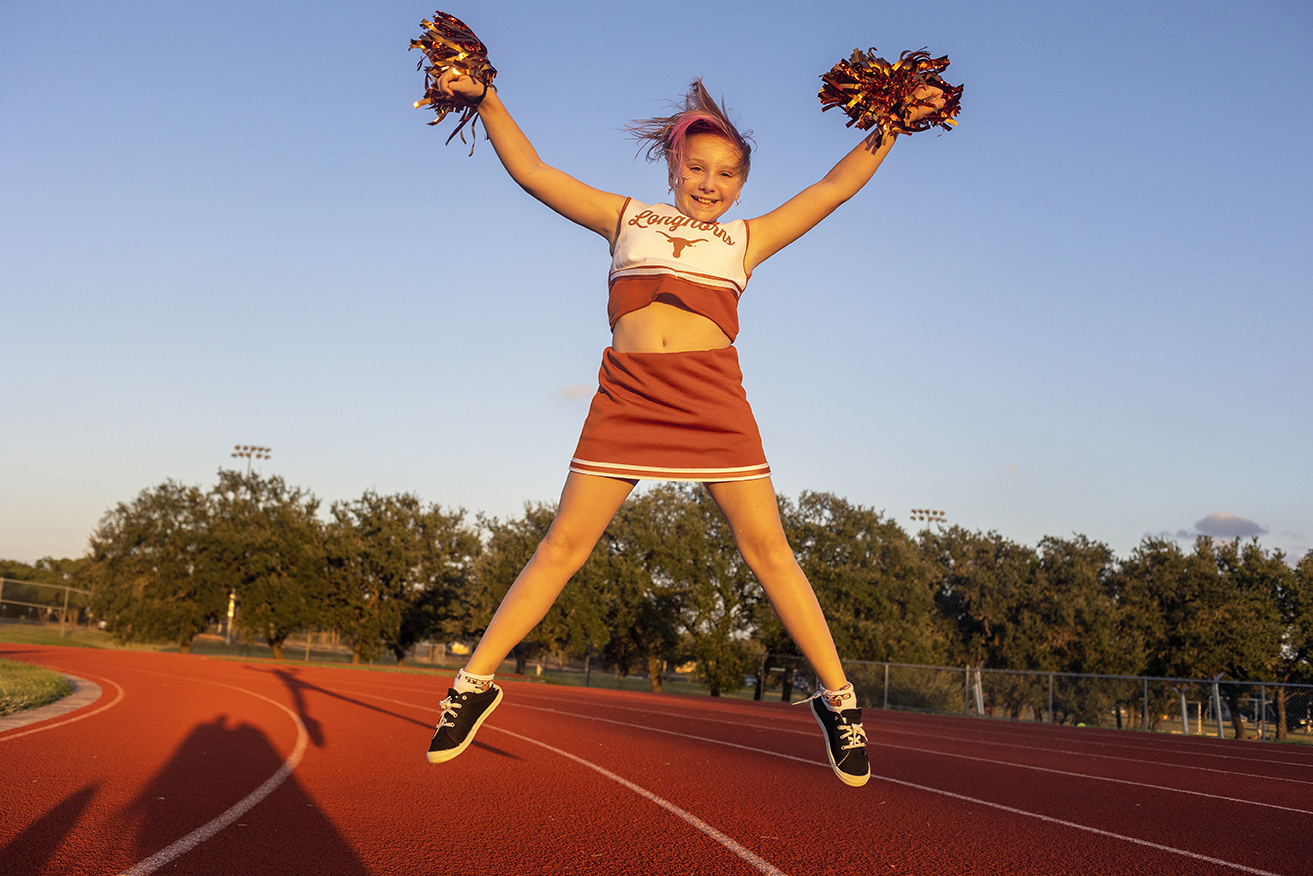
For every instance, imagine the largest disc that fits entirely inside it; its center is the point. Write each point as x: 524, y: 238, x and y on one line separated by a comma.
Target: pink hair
x: 667, y: 137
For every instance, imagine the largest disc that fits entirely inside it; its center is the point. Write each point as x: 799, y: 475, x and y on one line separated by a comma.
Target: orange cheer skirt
x: 671, y: 417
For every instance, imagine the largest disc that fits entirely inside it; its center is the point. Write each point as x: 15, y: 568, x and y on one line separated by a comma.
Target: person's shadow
x: 215, y: 767
x: 27, y: 853
x: 297, y: 687
x: 212, y: 769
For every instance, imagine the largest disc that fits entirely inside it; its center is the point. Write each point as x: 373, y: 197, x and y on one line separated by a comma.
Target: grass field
x: 210, y: 645
x: 24, y: 687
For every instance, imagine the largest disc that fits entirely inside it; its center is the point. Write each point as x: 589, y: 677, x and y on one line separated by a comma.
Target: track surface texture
x: 191, y: 765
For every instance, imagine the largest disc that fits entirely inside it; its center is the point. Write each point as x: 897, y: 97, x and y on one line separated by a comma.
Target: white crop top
x: 660, y: 251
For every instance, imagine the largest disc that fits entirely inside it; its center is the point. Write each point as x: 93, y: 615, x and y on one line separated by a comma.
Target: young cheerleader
x: 670, y: 403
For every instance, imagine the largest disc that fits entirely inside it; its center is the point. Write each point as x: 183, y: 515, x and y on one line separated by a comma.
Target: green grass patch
x: 48, y: 634
x: 23, y: 687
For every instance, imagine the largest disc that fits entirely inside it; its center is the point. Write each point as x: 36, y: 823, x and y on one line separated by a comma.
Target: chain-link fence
x: 33, y: 601
x: 1193, y: 707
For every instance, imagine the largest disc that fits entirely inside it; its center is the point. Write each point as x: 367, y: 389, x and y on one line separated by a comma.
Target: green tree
x: 577, y: 620
x: 1082, y: 616
x: 1214, y: 610
x: 269, y: 546
x: 643, y: 608
x: 985, y: 590
x: 152, y: 577
x: 48, y: 570
x: 693, y: 559
x: 1295, y: 663
x: 396, y: 571
x: 872, y: 581
x: 1079, y: 609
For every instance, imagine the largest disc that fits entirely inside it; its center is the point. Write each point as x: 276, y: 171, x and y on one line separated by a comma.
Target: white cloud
x: 1223, y: 524
x: 576, y: 391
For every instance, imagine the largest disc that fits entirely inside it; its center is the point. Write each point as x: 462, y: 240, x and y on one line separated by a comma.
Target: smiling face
x: 709, y: 179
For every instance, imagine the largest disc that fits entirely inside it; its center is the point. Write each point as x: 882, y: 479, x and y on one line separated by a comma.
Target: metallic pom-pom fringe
x: 874, y: 93
x: 448, y: 43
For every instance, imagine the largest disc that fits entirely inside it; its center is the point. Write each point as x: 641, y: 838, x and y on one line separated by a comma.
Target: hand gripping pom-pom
x: 875, y: 93
x: 446, y: 43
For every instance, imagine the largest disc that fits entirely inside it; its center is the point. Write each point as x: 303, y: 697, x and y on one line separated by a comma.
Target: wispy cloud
x: 576, y: 390
x: 1223, y: 524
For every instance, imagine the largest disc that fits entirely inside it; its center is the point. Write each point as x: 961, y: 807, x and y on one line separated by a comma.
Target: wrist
x: 478, y: 100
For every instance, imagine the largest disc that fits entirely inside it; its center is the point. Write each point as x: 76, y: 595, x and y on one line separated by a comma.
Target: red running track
x: 201, y: 766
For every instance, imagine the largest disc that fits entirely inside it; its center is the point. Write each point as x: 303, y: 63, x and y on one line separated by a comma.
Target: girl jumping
x: 670, y: 403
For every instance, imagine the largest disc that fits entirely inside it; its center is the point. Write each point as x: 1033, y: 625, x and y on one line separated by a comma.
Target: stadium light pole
x: 250, y: 451
x: 929, y: 515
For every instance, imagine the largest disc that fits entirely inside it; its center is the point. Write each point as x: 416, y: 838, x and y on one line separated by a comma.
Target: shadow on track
x: 297, y: 687
x: 216, y: 766
x: 27, y: 853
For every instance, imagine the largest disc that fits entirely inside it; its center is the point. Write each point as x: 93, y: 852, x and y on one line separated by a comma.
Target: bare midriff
x: 666, y: 328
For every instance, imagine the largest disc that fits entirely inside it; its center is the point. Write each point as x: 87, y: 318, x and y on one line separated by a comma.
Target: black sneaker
x: 845, y: 742
x: 462, y: 714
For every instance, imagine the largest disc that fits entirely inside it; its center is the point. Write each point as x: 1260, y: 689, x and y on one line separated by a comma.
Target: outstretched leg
x: 754, y: 518
x: 587, y: 505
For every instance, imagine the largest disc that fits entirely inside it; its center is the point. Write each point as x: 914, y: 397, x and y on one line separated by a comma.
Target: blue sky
x: 1084, y: 310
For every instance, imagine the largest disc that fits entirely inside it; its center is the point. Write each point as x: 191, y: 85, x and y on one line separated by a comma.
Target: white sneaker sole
x: 450, y: 753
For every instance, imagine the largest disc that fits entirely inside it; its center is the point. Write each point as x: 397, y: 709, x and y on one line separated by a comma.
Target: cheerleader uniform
x: 673, y: 416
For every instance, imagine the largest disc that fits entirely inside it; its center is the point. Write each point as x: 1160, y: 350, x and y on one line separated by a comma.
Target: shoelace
x: 448, y: 711
x: 854, y: 736
x: 818, y: 694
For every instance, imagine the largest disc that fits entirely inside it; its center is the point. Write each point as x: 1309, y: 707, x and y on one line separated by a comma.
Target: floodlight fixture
x: 929, y: 516
x: 249, y: 452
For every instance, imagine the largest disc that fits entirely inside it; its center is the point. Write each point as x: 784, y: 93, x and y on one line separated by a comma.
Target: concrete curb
x: 84, y: 694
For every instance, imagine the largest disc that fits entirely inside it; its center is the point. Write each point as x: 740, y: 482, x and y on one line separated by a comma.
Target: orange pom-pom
x: 448, y: 42
x: 875, y: 93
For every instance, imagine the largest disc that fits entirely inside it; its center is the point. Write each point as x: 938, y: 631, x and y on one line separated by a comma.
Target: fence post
x: 1262, y: 712
x: 2, y: 596
x: 886, y: 685
x: 1146, y: 704
x: 1051, y: 721
x: 1217, y: 704
x: 63, y: 618
x: 966, y: 691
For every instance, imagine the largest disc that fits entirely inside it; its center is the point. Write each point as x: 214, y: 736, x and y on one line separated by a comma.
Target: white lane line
x: 1137, y: 760
x: 206, y: 831
x: 934, y: 752
x: 754, y: 860
x: 1040, y: 769
x: 811, y: 731
x: 1047, y: 818
x: 1197, y: 746
x: 50, y: 726
x: 1085, y: 827
x: 963, y: 797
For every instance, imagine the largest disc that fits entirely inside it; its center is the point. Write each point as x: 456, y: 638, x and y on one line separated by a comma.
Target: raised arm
x: 592, y: 208
x: 801, y: 213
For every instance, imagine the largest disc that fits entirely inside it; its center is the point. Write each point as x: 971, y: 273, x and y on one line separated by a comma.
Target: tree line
x: 665, y: 585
